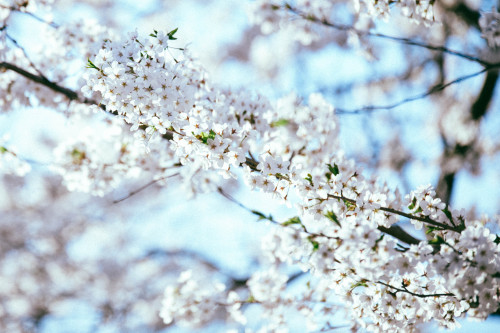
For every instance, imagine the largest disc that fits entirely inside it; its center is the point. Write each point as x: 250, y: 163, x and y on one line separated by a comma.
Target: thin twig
x: 50, y: 24
x: 425, y: 219
x: 26, y: 56
x: 405, y: 290
x: 406, y: 41
x: 429, y: 92
x: 154, y: 181
x: 70, y: 94
x: 394, y: 230
x: 36, y: 17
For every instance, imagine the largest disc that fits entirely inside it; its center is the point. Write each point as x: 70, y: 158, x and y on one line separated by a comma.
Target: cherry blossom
x: 146, y: 108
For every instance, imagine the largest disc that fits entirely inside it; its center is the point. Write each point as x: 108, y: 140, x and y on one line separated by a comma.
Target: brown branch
x: 405, y: 290
x: 70, y: 94
x: 429, y: 92
x: 425, y: 219
x: 480, y: 106
x: 446, y: 180
x: 399, y: 233
x: 15, y: 42
x: 394, y: 231
x: 468, y: 15
x: 154, y: 181
x: 406, y: 41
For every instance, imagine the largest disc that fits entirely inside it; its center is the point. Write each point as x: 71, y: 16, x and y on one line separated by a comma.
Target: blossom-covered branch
x: 70, y: 94
x: 402, y: 40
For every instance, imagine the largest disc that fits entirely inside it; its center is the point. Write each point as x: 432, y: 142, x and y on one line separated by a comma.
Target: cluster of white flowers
x: 165, y: 109
x: 191, y: 302
x: 417, y: 11
x: 273, y: 15
x: 489, y: 22
x: 342, y: 231
x: 339, y: 233
x: 7, y: 6
x: 11, y: 164
x: 422, y: 202
x: 71, y: 45
x: 76, y: 41
x: 102, y: 155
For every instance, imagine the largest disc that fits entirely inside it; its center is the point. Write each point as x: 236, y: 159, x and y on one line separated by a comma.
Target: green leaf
x: 314, y: 243
x: 3, y: 150
x: 309, y: 179
x: 332, y: 217
x: 359, y: 284
x: 90, y: 64
x: 293, y: 220
x: 349, y: 205
x: 172, y: 33
x: 203, y: 137
x: 280, y: 122
x: 262, y: 216
x: 413, y: 204
x: 77, y: 156
x: 374, y: 248
x: 438, y: 240
x: 431, y: 229
x: 333, y: 169
x: 448, y: 214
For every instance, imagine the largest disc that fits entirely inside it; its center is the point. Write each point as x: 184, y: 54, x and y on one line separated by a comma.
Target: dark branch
x: 431, y: 91
x: 424, y: 219
x: 480, y: 106
x: 446, y: 180
x: 398, y: 233
x: 70, y: 94
x: 394, y: 231
x: 405, y: 290
x: 154, y: 181
x: 469, y: 16
x: 26, y: 56
x: 406, y: 41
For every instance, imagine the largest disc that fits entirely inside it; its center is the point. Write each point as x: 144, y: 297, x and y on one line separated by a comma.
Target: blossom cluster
x: 189, y: 303
x: 10, y: 163
x: 158, y: 109
x: 489, y: 22
x: 71, y: 45
x: 272, y: 15
x: 341, y: 212
x: 101, y: 157
x: 341, y: 231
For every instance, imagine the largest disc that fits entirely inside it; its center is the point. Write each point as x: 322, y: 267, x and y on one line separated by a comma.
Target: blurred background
x: 72, y: 262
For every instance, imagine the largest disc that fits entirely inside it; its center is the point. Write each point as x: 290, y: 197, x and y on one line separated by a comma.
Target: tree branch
x: 154, y: 181
x: 469, y: 16
x: 394, y: 231
x: 446, y: 180
x: 425, y: 219
x: 405, y: 290
x: 70, y: 94
x: 431, y: 91
x: 26, y: 56
x: 402, y: 40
